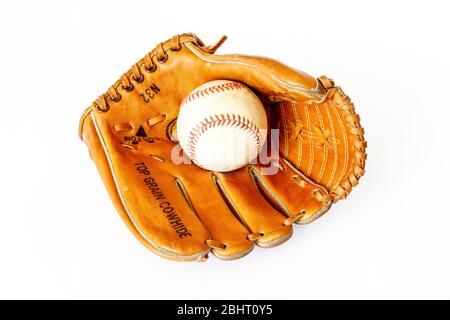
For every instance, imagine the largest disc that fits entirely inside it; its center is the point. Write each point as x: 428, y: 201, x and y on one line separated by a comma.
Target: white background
x: 60, y: 236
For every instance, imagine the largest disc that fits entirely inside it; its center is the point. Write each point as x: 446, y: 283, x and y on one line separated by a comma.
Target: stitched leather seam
x: 221, y: 120
x: 229, y: 86
x: 229, y: 202
x: 341, y: 191
x: 346, y: 146
x: 233, y: 256
x: 128, y: 212
x: 167, y: 46
x: 257, y: 179
x: 326, y: 106
x: 315, y: 92
x: 324, y: 208
x: 276, y: 241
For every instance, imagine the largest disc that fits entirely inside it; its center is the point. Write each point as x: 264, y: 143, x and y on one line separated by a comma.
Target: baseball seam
x: 222, y: 120
x: 212, y: 90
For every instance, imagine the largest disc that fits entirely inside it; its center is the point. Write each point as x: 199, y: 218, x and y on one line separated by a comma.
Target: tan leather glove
x: 183, y: 212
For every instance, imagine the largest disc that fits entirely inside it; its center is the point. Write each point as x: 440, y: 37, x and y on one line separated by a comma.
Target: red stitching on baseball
x: 214, y: 89
x: 237, y: 121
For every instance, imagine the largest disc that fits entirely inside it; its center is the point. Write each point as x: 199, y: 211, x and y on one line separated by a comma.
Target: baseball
x: 222, y: 125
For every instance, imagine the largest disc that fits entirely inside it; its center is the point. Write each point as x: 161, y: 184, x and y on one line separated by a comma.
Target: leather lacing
x: 148, y: 65
x: 213, y: 244
x: 222, y: 246
x: 216, y: 244
x: 343, y: 102
x: 294, y: 219
x: 315, y: 192
x: 255, y: 236
x: 128, y: 127
x: 302, y: 183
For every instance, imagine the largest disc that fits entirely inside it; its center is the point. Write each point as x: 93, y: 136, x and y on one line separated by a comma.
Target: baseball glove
x: 183, y: 212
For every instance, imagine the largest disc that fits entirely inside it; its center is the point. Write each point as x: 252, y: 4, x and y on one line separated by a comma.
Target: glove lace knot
x: 216, y: 244
x: 294, y: 219
x: 255, y: 236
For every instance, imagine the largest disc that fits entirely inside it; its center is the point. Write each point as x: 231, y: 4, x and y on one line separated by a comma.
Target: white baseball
x: 222, y: 125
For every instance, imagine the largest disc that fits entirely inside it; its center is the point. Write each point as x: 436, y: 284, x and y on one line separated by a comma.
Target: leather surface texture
x: 182, y: 212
